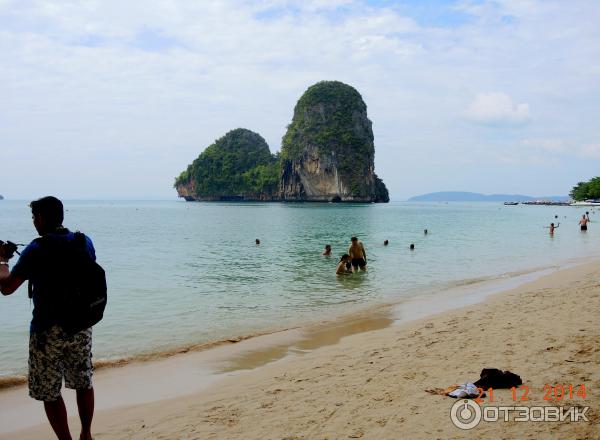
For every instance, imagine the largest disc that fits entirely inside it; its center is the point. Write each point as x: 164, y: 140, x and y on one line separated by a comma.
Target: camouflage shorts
x: 54, y: 355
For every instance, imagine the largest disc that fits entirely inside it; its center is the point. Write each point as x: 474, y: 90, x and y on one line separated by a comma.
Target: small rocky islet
x: 327, y: 155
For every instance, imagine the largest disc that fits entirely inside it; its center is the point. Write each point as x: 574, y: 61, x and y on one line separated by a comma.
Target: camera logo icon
x: 465, y: 414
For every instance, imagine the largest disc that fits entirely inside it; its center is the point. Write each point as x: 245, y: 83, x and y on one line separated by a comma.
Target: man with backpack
x: 58, y: 266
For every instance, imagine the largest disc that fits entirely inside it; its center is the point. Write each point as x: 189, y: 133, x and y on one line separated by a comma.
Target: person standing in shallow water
x: 54, y: 355
x: 357, y: 253
x: 583, y: 222
x: 552, y: 227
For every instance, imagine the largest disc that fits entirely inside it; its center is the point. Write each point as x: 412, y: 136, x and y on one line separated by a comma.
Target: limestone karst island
x: 327, y: 155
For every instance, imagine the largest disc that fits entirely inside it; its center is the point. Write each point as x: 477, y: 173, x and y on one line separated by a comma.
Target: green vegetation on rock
x: 238, y: 164
x: 323, y: 117
x: 586, y: 190
x: 327, y: 155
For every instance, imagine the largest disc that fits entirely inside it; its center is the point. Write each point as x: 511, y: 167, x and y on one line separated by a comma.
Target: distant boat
x: 511, y: 203
x: 589, y: 202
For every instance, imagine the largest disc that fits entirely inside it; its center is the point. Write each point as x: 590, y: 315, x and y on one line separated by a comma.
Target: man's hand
x: 7, y: 250
x: 3, y: 256
x: 8, y: 282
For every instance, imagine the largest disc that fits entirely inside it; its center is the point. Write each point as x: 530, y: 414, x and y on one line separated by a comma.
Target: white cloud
x: 551, y: 145
x: 315, y: 5
x: 564, y: 148
x: 497, y: 108
x: 591, y: 151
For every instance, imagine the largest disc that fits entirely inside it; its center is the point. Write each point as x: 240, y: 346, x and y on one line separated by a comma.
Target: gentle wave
x: 10, y: 381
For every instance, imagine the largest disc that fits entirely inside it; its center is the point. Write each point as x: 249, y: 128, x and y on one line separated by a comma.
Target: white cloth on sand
x: 467, y: 389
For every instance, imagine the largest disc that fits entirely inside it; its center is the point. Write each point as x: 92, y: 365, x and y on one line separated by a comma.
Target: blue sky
x: 104, y: 99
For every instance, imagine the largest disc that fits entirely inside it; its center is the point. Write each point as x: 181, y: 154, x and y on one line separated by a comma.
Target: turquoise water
x: 184, y: 273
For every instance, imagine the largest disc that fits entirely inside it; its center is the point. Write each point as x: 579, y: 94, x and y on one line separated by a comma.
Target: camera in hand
x: 8, y: 249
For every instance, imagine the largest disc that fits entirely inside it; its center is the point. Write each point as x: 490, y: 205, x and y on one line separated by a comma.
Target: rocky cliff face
x: 187, y: 190
x: 328, y: 151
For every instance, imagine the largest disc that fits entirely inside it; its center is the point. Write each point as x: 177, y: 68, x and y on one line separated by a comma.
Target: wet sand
x: 365, y: 377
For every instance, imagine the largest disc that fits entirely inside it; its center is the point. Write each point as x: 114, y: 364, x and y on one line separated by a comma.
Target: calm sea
x: 186, y: 273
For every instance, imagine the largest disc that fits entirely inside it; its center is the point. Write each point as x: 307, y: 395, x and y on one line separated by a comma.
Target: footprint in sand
x: 357, y: 433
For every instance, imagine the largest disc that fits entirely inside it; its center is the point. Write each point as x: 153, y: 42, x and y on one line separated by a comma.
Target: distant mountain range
x: 461, y: 196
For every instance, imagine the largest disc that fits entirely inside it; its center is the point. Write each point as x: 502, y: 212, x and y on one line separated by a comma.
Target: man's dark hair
x: 344, y: 257
x: 353, y: 239
x: 50, y: 208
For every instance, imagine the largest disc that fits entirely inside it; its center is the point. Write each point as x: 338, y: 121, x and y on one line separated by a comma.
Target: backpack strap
x: 39, y: 242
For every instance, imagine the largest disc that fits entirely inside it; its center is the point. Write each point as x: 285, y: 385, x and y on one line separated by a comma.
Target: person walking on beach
x: 344, y: 267
x: 583, y: 222
x: 54, y: 354
x: 357, y: 253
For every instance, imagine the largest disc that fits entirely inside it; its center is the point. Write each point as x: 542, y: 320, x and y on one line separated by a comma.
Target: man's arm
x: 364, y: 252
x: 8, y: 282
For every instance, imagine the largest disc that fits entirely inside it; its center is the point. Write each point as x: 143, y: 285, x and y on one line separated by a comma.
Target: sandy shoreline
x: 464, y: 291
x: 372, y: 384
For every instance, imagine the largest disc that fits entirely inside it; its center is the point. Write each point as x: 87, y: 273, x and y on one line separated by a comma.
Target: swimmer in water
x: 344, y: 267
x: 412, y: 247
x: 327, y: 251
x: 257, y: 241
x: 357, y: 254
x: 552, y: 227
x: 583, y: 222
x: 385, y: 242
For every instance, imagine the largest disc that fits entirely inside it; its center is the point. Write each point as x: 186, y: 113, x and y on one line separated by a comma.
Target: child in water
x: 327, y: 251
x: 344, y: 267
x: 552, y: 227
